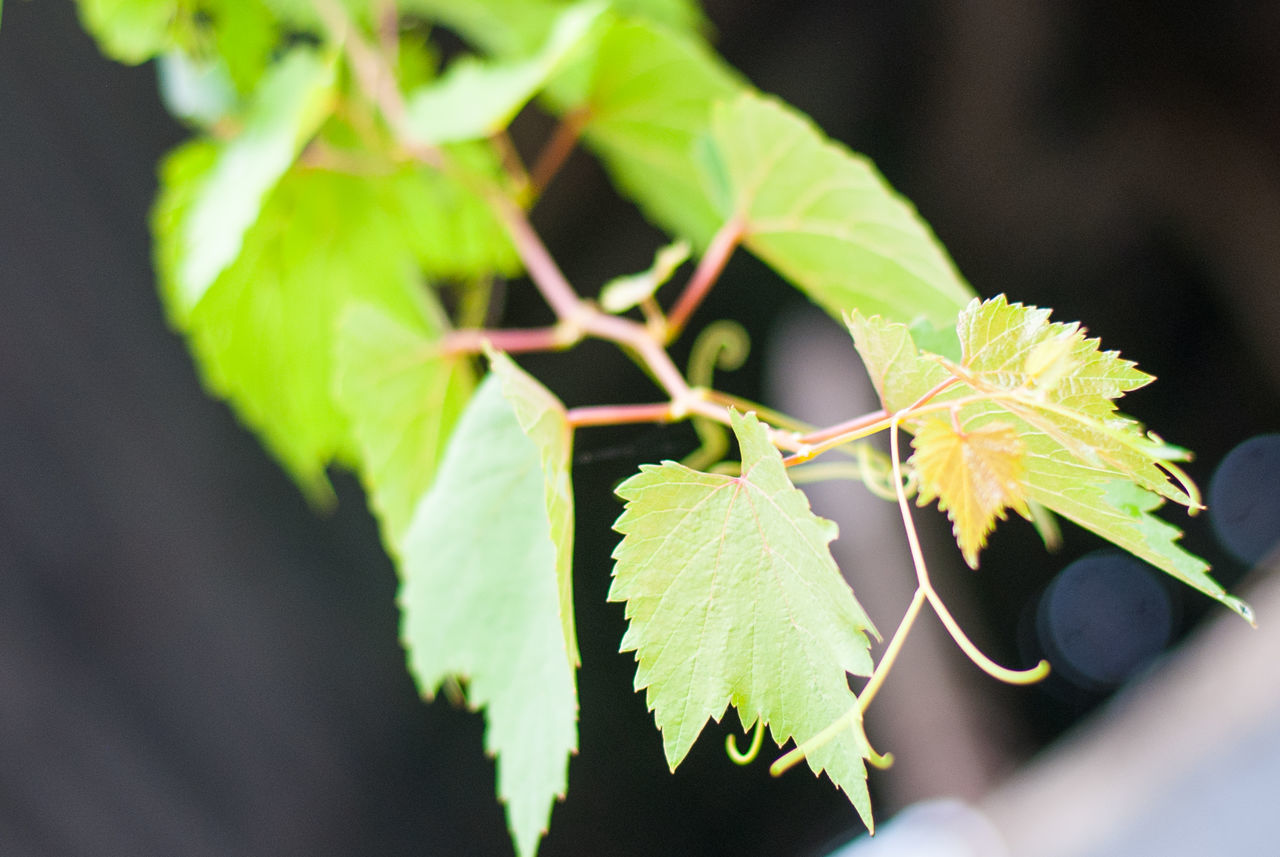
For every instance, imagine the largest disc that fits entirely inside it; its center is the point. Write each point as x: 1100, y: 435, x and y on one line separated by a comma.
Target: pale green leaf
x: 622, y: 293
x: 542, y: 418
x: 480, y: 602
x: 263, y: 334
x: 286, y: 110
x: 826, y: 220
x: 733, y: 599
x: 648, y: 103
x: 131, y: 31
x: 898, y: 372
x: 196, y: 90
x: 402, y: 399
x: 476, y: 98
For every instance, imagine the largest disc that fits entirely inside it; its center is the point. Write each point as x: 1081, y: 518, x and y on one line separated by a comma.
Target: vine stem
x: 576, y: 316
x: 990, y: 667
x: 557, y: 149
x: 611, y: 415
x: 924, y: 592
x: 722, y: 245
x: 511, y: 340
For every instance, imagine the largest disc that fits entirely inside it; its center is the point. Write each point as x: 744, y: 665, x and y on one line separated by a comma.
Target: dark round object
x: 1244, y: 498
x: 1103, y: 618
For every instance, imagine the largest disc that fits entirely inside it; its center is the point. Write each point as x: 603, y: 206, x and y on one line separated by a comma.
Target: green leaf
x: 263, y: 333
x: 899, y: 373
x: 648, y: 103
x: 305, y: 15
x: 402, y: 399
x: 131, y: 31
x: 542, y: 418
x: 480, y: 599
x: 1055, y: 390
x: 514, y: 28
x: 502, y: 28
x: 454, y: 232
x: 825, y: 219
x: 195, y: 90
x: 733, y: 599
x: 476, y: 99
x: 246, y: 36
x: 287, y: 109
x: 622, y: 293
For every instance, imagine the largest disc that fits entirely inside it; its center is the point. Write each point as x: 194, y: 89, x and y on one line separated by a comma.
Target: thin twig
x: 512, y: 340
x: 705, y: 275
x: 557, y: 149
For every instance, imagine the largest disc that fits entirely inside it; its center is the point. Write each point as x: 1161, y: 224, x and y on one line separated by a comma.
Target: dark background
x: 193, y: 662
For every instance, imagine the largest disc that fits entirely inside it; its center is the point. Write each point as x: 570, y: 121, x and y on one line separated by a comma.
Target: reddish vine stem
x: 511, y: 340
x: 577, y: 317
x: 557, y: 149
x: 723, y: 243
x: 613, y: 415
x: 850, y: 426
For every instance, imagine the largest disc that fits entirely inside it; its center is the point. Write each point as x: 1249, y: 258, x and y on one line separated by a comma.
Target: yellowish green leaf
x: 973, y: 474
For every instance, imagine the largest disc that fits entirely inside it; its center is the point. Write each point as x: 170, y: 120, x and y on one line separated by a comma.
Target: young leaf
x: 825, y: 219
x: 402, y: 398
x: 476, y: 99
x: 480, y: 600
x: 622, y: 293
x: 262, y: 335
x: 131, y: 31
x: 290, y: 104
x: 1055, y: 390
x: 974, y: 475
x: 733, y: 599
x: 649, y: 102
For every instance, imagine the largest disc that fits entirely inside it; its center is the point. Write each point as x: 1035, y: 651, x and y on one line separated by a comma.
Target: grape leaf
x: 402, y: 399
x: 974, y: 475
x: 130, y: 31
x: 501, y: 28
x: 825, y: 219
x: 513, y: 28
x: 452, y: 230
x: 648, y: 103
x: 480, y: 599
x: 733, y: 599
x: 245, y: 35
x: 195, y: 90
x: 542, y: 418
x: 288, y: 107
x: 476, y: 99
x: 1056, y: 390
x: 262, y: 335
